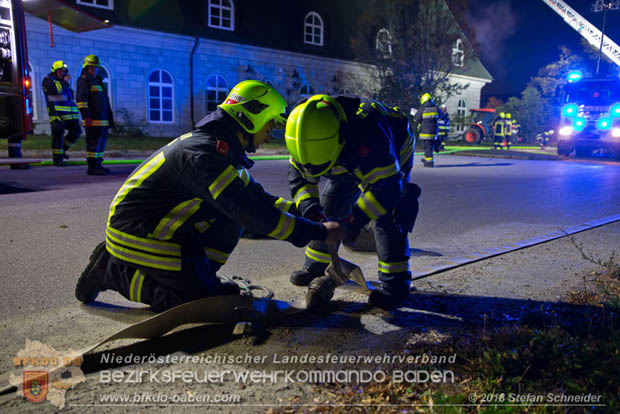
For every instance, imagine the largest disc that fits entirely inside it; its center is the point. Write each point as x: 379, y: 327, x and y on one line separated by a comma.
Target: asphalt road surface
x: 52, y: 218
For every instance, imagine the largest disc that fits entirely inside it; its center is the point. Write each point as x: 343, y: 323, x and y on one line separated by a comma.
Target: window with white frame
x: 34, y: 92
x: 306, y: 91
x: 461, y: 113
x: 102, y: 4
x: 383, y: 43
x: 458, y: 53
x: 313, y: 29
x: 161, y: 97
x: 217, y: 90
x: 345, y: 91
x: 222, y: 14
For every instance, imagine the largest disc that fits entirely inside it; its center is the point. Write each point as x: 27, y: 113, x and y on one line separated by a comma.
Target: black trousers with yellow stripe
x: 201, y: 259
x: 337, y: 199
x: 96, y: 139
x: 60, y: 141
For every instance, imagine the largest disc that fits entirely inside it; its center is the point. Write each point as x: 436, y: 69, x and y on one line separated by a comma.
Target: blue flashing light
x: 574, y: 76
x: 570, y: 110
x: 604, y: 124
x: 579, y: 124
x: 615, y: 111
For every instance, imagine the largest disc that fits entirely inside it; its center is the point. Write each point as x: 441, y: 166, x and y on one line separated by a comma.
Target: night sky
x: 517, y: 37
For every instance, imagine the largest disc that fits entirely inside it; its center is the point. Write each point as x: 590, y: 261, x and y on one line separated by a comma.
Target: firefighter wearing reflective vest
x: 93, y: 102
x: 543, y: 138
x: 443, y: 128
x: 508, y: 131
x: 62, y: 111
x: 178, y: 217
x: 427, y: 117
x: 498, y: 131
x: 365, y: 151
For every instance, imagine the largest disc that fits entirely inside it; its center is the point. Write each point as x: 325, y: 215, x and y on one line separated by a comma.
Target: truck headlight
x: 566, y: 131
x: 615, y: 132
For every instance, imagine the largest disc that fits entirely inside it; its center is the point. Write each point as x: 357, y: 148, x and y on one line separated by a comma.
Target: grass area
x: 523, y: 366
x: 44, y: 142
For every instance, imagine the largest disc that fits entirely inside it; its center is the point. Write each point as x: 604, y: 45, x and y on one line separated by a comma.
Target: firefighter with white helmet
x: 179, y: 215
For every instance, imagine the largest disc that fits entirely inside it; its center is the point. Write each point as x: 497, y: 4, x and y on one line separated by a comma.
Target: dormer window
x: 221, y: 14
x: 458, y: 53
x: 313, y: 29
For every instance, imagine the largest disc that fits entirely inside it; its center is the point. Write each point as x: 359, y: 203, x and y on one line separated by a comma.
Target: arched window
x: 461, y: 114
x: 306, y: 91
x: 383, y: 43
x: 345, y: 91
x: 458, y: 53
x: 313, y: 29
x: 217, y: 90
x: 161, y: 97
x: 222, y: 14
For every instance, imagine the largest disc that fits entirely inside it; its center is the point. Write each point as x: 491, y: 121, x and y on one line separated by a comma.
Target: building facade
x: 169, y: 63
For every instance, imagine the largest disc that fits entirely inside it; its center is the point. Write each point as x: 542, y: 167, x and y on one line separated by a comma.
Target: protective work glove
x: 352, y: 230
x: 314, y: 213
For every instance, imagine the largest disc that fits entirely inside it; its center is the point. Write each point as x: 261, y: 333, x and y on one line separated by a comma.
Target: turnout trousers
x: 197, y: 279
x: 337, y: 198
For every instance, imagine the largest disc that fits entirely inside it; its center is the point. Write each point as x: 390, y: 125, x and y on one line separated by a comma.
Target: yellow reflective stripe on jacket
x: 82, y: 105
x: 175, y: 218
x: 143, y: 259
x: 427, y: 135
x: 99, y: 123
x: 96, y: 88
x: 285, y: 226
x: 317, y: 256
x: 68, y: 117
x: 57, y: 98
x: 216, y: 255
x: 142, y: 243
x: 429, y: 114
x: 379, y: 173
x: 370, y: 206
x: 406, y: 152
x: 306, y: 192
x: 393, y: 267
x: 283, y: 204
x: 338, y: 170
x: 222, y: 181
x: 63, y: 108
x: 58, y: 86
x: 245, y: 176
x: 135, y: 288
x: 135, y: 180
x: 202, y: 226
x: 54, y: 118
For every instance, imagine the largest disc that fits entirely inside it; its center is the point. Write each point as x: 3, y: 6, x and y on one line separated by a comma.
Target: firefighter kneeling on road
x: 62, y: 111
x: 427, y: 118
x: 93, y: 102
x: 179, y: 215
x: 365, y: 150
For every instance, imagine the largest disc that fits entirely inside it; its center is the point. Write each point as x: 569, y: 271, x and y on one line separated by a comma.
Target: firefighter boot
x: 390, y: 295
x: 91, y: 281
x: 428, y: 162
x: 101, y: 167
x: 15, y: 151
x: 93, y: 167
x: 304, y: 276
x: 59, y: 160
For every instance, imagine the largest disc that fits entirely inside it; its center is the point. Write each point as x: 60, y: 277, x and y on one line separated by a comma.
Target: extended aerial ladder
x: 586, y: 29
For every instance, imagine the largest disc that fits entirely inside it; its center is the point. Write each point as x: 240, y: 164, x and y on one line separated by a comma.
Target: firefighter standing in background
x: 427, y: 118
x: 498, y: 131
x: 178, y: 217
x: 365, y: 150
x: 93, y: 102
x: 543, y: 138
x: 443, y: 128
x: 62, y: 111
x: 508, y: 131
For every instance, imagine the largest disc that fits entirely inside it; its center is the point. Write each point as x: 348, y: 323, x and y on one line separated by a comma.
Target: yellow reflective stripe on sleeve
x: 393, y: 267
x: 283, y: 204
x: 216, y: 255
x: 317, y: 256
x: 379, y: 173
x: 406, y: 152
x: 136, y: 180
x: 338, y: 170
x: 143, y: 244
x: 135, y: 288
x: 82, y: 104
x: 202, y: 226
x: 62, y: 108
x: 58, y: 86
x: 143, y: 259
x: 100, y: 123
x: 96, y: 88
x: 370, y: 206
x: 285, y: 226
x: 175, y: 218
x: 67, y: 117
x: 245, y: 176
x: 222, y: 181
x: 306, y: 192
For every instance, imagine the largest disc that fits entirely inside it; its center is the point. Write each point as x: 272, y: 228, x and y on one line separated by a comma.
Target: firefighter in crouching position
x: 93, y: 102
x: 365, y: 150
x: 178, y: 217
x: 62, y: 111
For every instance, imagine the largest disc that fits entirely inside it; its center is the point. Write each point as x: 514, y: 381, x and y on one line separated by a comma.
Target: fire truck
x: 15, y: 86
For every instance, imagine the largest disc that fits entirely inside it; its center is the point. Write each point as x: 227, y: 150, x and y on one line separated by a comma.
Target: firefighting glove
x: 315, y: 213
x: 352, y: 230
